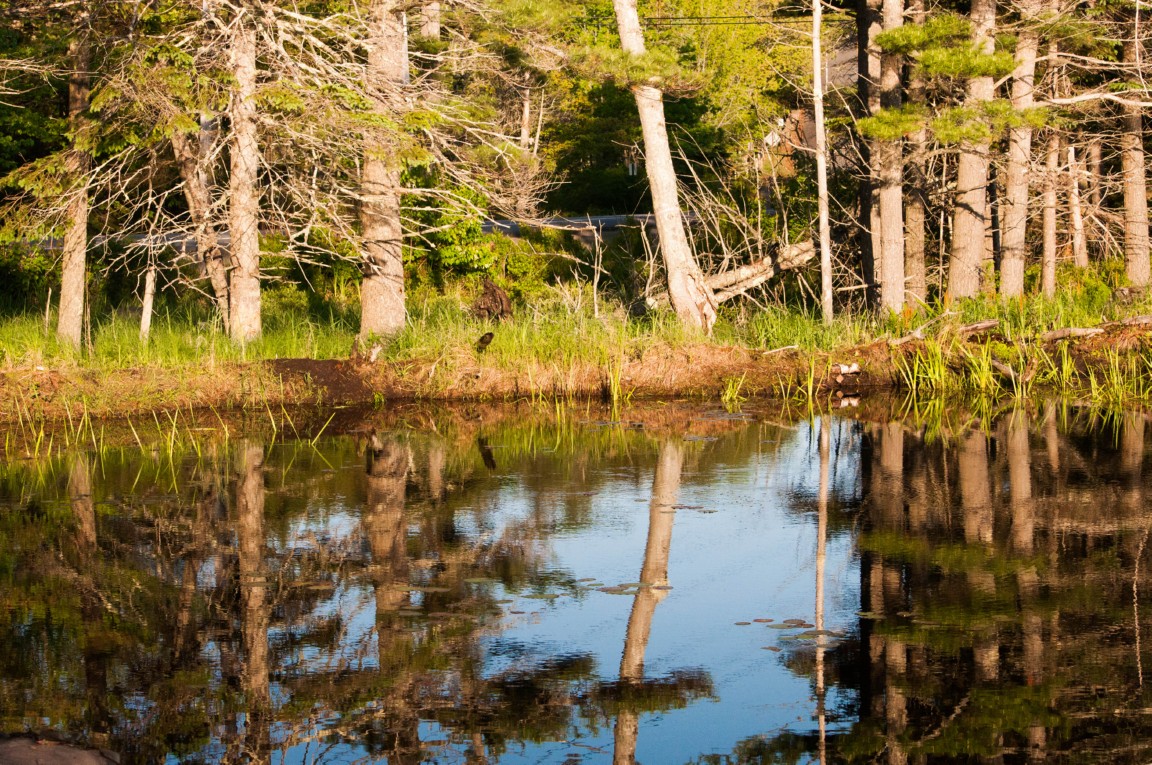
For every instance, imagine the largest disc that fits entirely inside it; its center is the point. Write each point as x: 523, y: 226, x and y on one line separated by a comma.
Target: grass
x: 175, y: 341
x: 560, y: 333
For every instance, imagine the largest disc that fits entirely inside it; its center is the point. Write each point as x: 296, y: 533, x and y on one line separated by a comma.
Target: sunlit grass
x: 175, y: 340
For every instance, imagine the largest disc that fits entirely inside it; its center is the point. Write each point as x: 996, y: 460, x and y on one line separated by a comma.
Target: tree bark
x: 1095, y: 160
x: 690, y: 296
x: 1015, y: 218
x: 430, y: 20
x: 382, y: 301
x: 1048, y: 261
x: 868, y: 21
x: 888, y: 168
x: 1135, y: 185
x: 244, y: 212
x: 824, y: 227
x: 526, y: 119
x: 915, y: 214
x: 73, y: 280
x: 191, y: 153
x: 1076, y: 212
x: 970, y: 218
x: 146, y: 303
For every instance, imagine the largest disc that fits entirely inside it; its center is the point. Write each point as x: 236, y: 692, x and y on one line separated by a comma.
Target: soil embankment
x: 692, y: 370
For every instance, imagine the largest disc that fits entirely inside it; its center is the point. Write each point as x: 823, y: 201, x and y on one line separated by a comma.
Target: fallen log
x: 918, y: 333
x: 978, y: 327
x: 734, y: 282
x: 1064, y: 334
x: 1006, y: 371
x: 730, y: 284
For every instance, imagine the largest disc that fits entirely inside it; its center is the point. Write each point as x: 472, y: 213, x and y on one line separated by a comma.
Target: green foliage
x: 983, y: 121
x: 944, y: 30
x: 27, y: 274
x: 893, y: 124
x: 657, y: 68
x: 965, y: 62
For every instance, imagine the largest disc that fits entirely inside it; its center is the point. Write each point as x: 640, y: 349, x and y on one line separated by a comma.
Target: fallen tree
x: 740, y: 279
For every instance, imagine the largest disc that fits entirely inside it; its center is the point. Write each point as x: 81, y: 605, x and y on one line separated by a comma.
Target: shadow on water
x: 488, y: 584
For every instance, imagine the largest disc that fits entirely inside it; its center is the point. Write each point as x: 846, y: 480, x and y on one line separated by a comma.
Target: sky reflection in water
x: 506, y: 587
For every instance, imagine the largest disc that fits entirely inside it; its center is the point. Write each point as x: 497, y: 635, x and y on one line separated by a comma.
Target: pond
x: 673, y: 584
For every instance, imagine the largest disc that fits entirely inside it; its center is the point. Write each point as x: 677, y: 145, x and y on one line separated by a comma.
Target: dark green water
x: 484, y: 585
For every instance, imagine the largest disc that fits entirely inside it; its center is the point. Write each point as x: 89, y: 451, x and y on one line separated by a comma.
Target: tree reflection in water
x: 372, y: 596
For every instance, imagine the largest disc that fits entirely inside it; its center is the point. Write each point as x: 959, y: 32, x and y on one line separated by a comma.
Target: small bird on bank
x: 484, y: 341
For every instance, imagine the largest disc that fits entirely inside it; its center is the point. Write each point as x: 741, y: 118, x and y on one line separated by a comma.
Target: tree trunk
x: 690, y: 296
x: 824, y: 227
x: 1079, y: 243
x: 1135, y: 185
x: 243, y: 216
x: 430, y: 20
x: 1095, y: 160
x: 146, y: 306
x: 382, y: 309
x: 191, y: 155
x: 70, y: 322
x: 1015, y: 219
x: 1048, y: 262
x: 915, y: 215
x: 526, y: 119
x: 868, y: 19
x: 888, y: 169
x: 970, y: 219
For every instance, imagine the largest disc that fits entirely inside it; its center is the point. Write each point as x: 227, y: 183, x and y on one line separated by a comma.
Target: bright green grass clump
x: 175, y: 341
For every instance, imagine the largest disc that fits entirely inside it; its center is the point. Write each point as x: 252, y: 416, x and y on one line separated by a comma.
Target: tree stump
x: 492, y: 302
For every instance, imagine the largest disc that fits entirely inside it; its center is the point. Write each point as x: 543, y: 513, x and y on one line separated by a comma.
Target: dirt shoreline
x: 696, y: 371
x: 700, y: 371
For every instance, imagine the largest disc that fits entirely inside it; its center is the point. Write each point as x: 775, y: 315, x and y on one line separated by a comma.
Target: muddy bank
x: 700, y: 371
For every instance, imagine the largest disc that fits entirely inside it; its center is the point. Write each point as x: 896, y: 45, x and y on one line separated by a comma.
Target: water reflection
x: 466, y: 590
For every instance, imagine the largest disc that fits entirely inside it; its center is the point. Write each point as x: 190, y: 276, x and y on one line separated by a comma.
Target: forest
x: 252, y: 180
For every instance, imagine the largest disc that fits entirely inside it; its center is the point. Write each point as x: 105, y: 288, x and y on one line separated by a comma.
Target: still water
x: 483, y: 585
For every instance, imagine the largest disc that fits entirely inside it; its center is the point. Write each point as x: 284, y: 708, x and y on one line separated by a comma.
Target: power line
x: 599, y: 19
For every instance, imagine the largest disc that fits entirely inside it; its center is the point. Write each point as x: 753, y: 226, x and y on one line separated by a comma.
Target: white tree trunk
x: 824, y: 229
x: 430, y: 20
x: 691, y: 298
x: 970, y: 219
x: 244, y: 211
x: 915, y: 215
x: 1132, y: 160
x: 526, y: 119
x: 888, y: 168
x: 1079, y: 243
x: 146, y: 307
x: 70, y: 321
x: 1048, y: 259
x: 1015, y: 219
x: 382, y: 302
